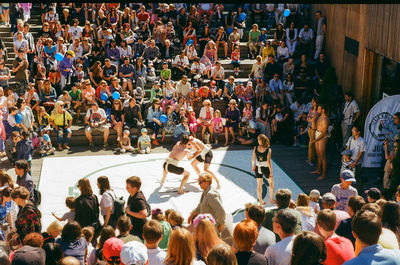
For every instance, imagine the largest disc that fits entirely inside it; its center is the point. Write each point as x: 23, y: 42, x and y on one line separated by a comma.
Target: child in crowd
x: 78, y: 75
x: 66, y: 98
x: 139, y: 95
x: 76, y: 100
x: 347, y: 161
x: 314, y: 200
x: 70, y: 202
x: 216, y: 92
x: 193, y: 123
x: 157, y: 214
x: 182, y: 113
x: 239, y: 91
x: 151, y: 74
x: 247, y: 113
x: 88, y: 233
x: 169, y: 126
x: 45, y: 146
x: 144, y: 142
x: 10, y: 144
x: 235, y: 56
x: 125, y: 143
x: 217, y: 125
x: 43, y: 120
x: 343, y: 191
x: 174, y: 218
x: 153, y: 235
x: 301, y: 139
x: 25, y: 148
x: 156, y: 92
x: 13, y: 125
x: 165, y: 73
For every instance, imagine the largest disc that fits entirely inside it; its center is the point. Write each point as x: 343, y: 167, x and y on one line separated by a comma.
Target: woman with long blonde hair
x: 181, y: 249
x: 307, y: 214
x: 205, y: 237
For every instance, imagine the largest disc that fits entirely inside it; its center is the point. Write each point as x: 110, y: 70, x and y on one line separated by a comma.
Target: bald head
x: 69, y: 261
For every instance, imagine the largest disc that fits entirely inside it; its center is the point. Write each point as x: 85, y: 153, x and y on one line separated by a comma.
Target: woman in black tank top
x: 262, y: 167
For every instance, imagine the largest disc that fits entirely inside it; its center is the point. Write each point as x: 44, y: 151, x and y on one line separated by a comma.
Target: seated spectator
x: 306, y: 37
x: 205, y: 117
x: 24, y: 147
x: 279, y: 34
x: 10, y: 147
x: 29, y: 255
x: 48, y: 95
x: 126, y: 73
x: 291, y: 38
x: 198, y: 70
x: 232, y: 121
x: 271, y: 68
x: 222, y: 39
x: 338, y: 249
x: 181, y: 129
x: 117, y: 117
x: 265, y: 237
x: 284, y: 224
x: 96, y: 120
x: 234, y: 38
x: 109, y: 71
x: 253, y: 42
x: 180, y: 66
x: 133, y: 115
x: 266, y: 51
x: 183, y: 88
x: 61, y: 121
x: 95, y: 73
x: 72, y: 243
x: 153, y: 119
x: 88, y: 95
x: 169, y: 95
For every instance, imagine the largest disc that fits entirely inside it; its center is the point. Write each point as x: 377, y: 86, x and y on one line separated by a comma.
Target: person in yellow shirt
x: 61, y: 121
x: 267, y: 50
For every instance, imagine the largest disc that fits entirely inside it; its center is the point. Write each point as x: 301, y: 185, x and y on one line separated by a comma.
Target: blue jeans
x: 62, y: 133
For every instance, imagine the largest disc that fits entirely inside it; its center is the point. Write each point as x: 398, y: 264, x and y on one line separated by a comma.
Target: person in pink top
x: 27, y: 10
x: 338, y: 249
x: 217, y: 125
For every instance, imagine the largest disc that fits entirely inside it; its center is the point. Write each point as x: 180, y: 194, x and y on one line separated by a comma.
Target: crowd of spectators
x: 101, y: 59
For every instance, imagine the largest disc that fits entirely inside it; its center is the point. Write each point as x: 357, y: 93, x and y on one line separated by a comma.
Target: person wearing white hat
x: 134, y: 253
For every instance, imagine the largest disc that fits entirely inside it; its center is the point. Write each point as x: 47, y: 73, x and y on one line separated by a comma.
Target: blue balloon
x: 189, y: 42
x: 163, y: 119
x: 116, y: 95
x: 18, y: 118
x: 59, y: 57
x: 242, y: 17
x: 104, y: 96
x: 229, y: 31
x: 286, y: 13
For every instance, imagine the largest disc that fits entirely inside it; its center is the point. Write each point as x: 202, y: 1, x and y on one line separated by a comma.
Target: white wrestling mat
x: 59, y: 176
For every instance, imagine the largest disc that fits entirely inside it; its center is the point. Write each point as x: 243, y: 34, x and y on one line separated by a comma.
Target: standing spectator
x: 351, y: 112
x: 338, y: 249
x: 72, y: 243
x: 321, y: 32
x: 367, y: 228
x: 308, y: 249
x: 284, y: 224
x: 265, y: 237
x: 30, y: 49
x: 61, y: 121
x: 96, y: 119
x: 329, y: 202
x: 152, y: 235
x: 136, y: 206
x: 357, y: 145
x: 24, y: 179
x: 344, y: 229
x: 5, y: 75
x: 344, y: 190
x: 20, y: 69
x: 221, y: 254
x: 205, y: 235
x: 211, y: 203
x: 245, y: 237
x: 29, y: 216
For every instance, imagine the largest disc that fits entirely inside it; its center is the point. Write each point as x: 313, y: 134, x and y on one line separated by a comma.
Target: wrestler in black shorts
x: 208, y: 158
x: 173, y: 169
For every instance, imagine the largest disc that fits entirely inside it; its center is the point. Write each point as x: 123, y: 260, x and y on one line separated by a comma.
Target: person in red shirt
x: 338, y: 249
x: 143, y: 16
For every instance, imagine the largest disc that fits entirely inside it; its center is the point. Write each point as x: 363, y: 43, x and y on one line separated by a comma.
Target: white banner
x: 377, y: 118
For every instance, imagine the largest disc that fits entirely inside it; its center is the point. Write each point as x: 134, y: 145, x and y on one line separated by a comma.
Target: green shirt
x: 165, y: 73
x: 254, y: 35
x: 75, y: 96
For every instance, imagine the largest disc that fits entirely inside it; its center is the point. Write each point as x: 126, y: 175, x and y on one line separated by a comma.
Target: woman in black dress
x: 262, y: 167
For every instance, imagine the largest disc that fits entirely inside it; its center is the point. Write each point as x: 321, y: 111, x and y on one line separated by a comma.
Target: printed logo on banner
x: 378, y: 123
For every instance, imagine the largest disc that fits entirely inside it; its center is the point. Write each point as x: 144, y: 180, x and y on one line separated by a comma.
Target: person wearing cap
x: 329, y: 202
x: 343, y: 191
x: 373, y: 194
x: 346, y: 161
x: 111, y: 250
x: 134, y: 253
x: 20, y: 70
x: 144, y: 142
x: 125, y: 143
x: 357, y: 145
x: 66, y: 67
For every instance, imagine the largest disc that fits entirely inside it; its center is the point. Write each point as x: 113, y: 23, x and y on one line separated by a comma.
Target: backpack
x: 119, y: 205
x: 37, y: 195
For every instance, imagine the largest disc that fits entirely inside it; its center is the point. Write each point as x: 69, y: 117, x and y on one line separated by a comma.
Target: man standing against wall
x: 321, y: 32
x: 351, y: 112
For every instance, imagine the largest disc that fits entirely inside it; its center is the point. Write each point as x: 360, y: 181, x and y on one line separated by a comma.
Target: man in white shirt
x: 183, y: 87
x: 152, y: 234
x: 75, y: 31
x: 96, y: 119
x: 306, y: 37
x: 351, y: 112
x: 180, y: 65
x: 218, y: 74
x: 284, y: 224
x: 357, y: 145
